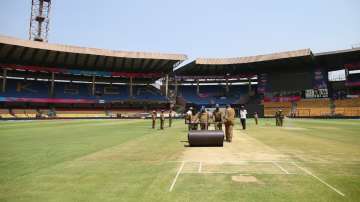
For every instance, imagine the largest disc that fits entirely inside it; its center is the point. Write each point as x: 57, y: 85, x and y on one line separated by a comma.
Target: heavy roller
x: 205, y: 138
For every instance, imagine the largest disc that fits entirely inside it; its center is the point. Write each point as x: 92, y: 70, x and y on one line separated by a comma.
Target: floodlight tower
x: 39, y: 21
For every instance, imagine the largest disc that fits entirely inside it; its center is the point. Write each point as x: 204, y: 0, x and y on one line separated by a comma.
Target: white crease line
x: 177, y: 175
x: 281, y: 168
x: 322, y: 181
x: 240, y: 161
x: 200, y: 167
x: 237, y: 173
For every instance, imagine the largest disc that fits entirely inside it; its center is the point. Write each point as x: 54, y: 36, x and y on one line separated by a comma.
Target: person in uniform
x: 277, y: 118
x: 203, y: 118
x: 170, y: 117
x: 162, y: 120
x: 256, y: 118
x: 188, y: 117
x: 194, y: 119
x: 229, y: 121
x: 281, y: 118
x: 218, y: 118
x: 153, y: 117
x: 243, y: 113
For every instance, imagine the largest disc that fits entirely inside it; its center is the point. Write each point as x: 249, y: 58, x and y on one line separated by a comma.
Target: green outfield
x: 126, y: 160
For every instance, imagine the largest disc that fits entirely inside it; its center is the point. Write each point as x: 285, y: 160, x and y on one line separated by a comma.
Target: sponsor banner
x: 48, y: 100
x: 317, y: 93
x: 282, y: 99
x: 33, y: 68
x: 89, y: 73
x: 352, y: 66
x: 320, y: 79
x: 136, y: 75
x: 353, y: 80
x: 352, y: 83
x: 204, y: 95
x: 82, y: 72
x: 238, y: 76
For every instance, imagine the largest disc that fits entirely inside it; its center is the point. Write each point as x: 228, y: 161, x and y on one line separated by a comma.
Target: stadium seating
x: 62, y: 90
x: 354, y: 102
x: 303, y: 108
x: 347, y: 107
x: 270, y: 108
x: 313, y: 107
x: 4, y: 113
x: 213, y: 94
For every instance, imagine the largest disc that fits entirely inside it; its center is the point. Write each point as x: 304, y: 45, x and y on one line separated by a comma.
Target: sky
x: 197, y: 28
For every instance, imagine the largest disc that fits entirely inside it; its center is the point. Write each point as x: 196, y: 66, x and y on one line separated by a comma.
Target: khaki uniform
x: 162, y: 119
x: 204, y: 120
x: 153, y: 117
x: 281, y: 119
x: 256, y: 118
x: 170, y: 118
x: 229, y: 123
x: 218, y: 119
x: 277, y: 118
x: 193, y: 122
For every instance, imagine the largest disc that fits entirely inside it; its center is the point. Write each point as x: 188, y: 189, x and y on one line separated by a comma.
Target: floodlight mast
x: 39, y: 20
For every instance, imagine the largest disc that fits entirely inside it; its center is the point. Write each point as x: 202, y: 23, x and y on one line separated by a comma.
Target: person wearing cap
x: 218, y: 118
x: 229, y: 121
x: 243, y: 113
x: 162, y: 119
x: 203, y: 118
x: 188, y: 117
x: 153, y: 117
x: 170, y: 117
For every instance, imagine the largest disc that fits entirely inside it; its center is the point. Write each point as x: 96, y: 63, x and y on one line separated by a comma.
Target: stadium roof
x: 239, y: 65
x: 336, y: 59
x: 25, y: 52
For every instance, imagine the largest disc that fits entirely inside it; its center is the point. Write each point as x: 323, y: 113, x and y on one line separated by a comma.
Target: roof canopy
x: 349, y: 58
x: 241, y: 65
x: 25, y: 52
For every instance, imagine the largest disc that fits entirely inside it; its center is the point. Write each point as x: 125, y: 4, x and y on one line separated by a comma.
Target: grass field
x: 126, y: 160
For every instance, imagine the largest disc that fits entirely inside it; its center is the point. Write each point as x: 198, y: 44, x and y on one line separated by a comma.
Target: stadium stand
x: 17, y: 89
x: 41, y: 80
x: 213, y: 94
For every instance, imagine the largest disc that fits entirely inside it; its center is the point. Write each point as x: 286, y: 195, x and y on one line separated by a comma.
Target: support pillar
x: 93, y: 85
x: 176, y: 86
x: 197, y: 87
x: 131, y: 87
x: 52, y: 84
x: 249, y: 91
x: 166, y: 85
x: 227, y: 84
x: 4, y: 80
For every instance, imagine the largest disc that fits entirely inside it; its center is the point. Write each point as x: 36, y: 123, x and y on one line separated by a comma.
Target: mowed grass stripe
x: 57, y: 123
x: 141, y: 163
x: 25, y: 151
